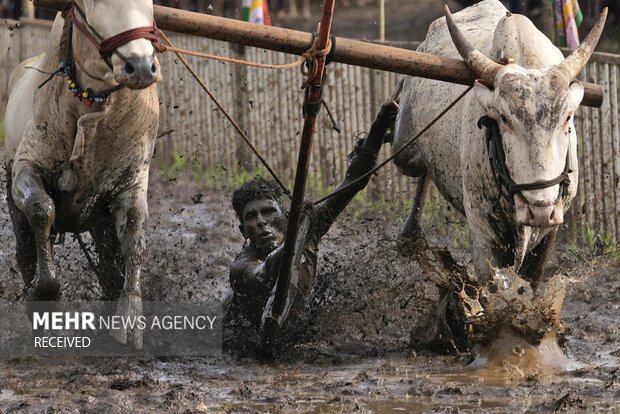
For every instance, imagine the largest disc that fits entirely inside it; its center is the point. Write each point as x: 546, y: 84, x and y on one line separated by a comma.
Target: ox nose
x: 140, y: 71
x: 544, y: 215
x: 540, y: 213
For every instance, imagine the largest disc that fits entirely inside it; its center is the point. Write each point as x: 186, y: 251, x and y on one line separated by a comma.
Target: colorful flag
x: 255, y: 11
x: 568, y: 17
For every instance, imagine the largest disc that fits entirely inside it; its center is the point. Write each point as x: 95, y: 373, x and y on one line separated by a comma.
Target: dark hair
x: 257, y: 189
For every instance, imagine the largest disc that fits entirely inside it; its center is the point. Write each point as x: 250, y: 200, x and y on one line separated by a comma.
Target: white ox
x: 533, y: 99
x: 81, y: 163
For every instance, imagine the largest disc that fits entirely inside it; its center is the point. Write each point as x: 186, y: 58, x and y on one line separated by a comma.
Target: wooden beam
x: 349, y: 51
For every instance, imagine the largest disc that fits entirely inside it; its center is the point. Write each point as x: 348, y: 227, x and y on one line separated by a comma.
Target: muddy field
x: 358, y: 359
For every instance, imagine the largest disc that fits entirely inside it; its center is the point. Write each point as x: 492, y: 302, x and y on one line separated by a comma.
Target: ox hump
x: 477, y: 23
x: 19, y: 71
x: 518, y: 39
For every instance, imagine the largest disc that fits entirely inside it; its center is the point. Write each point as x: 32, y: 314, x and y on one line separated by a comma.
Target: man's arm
x: 251, y: 276
x: 362, y: 160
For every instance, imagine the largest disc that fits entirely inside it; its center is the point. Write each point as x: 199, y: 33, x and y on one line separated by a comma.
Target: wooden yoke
x: 352, y: 52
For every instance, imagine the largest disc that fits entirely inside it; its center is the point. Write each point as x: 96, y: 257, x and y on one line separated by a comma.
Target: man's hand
x: 389, y: 109
x: 391, y: 106
x: 272, y: 266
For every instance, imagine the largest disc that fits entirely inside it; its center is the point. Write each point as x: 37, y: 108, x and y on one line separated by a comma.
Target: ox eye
x: 503, y: 118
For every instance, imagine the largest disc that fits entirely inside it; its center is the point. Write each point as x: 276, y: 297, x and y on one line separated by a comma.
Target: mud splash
x: 512, y: 330
x: 527, y: 325
x: 509, y: 359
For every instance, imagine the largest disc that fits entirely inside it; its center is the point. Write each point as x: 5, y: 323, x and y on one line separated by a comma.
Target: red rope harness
x: 145, y: 32
x: 89, y: 35
x: 108, y: 46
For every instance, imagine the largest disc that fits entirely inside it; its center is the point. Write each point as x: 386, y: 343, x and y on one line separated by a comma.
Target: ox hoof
x: 129, y: 309
x: 444, y: 332
x: 411, y: 239
x: 411, y: 246
x: 44, y: 290
x: 41, y: 307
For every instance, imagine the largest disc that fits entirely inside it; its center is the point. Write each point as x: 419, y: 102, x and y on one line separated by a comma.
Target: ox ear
x: 484, y: 93
x: 575, y: 91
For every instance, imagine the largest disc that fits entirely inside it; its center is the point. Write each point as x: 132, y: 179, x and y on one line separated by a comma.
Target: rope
x: 503, y: 179
x: 310, y: 56
x: 89, y: 258
x: 170, y: 47
x: 108, y: 46
x: 394, y: 155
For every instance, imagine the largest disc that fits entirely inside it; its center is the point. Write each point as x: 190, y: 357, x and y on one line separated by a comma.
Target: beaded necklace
x: 87, y: 96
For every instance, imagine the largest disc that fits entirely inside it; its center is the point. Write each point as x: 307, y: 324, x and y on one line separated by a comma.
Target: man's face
x: 263, y: 223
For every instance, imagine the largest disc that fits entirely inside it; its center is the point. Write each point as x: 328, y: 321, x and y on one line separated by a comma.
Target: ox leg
x: 26, y: 246
x: 110, y: 264
x: 411, y: 238
x: 488, y: 256
x: 533, y: 267
x: 28, y: 195
x: 487, y: 252
x: 131, y: 212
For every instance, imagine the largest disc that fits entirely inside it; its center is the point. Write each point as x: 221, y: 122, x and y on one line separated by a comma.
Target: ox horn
x: 483, y: 67
x: 573, y: 64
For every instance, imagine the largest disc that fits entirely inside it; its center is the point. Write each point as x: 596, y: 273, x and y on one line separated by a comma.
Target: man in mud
x: 263, y: 220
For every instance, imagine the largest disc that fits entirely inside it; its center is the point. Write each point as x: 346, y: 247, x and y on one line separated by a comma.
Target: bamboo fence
x: 267, y: 104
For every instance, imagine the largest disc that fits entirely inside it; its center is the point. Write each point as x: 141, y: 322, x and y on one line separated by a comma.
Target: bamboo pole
x: 27, y: 9
x: 615, y: 138
x: 597, y: 168
x: 352, y: 52
x: 607, y: 154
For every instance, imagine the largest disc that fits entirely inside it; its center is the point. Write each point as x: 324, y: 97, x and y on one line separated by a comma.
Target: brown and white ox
x: 79, y: 148
x: 532, y: 99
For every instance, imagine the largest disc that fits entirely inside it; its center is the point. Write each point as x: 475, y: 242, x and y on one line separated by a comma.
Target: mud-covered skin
x: 364, y: 305
x: 253, y: 274
x: 263, y: 223
x: 77, y: 168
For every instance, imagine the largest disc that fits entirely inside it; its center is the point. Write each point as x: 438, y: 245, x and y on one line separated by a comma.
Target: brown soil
x: 358, y: 359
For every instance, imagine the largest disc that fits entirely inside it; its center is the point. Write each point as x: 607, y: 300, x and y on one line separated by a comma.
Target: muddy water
x: 381, y: 385
x: 368, y: 301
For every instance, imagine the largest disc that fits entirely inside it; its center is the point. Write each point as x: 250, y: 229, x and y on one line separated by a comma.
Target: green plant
x: 364, y: 205
x: 182, y: 164
x: 589, y: 243
x: 222, y: 178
